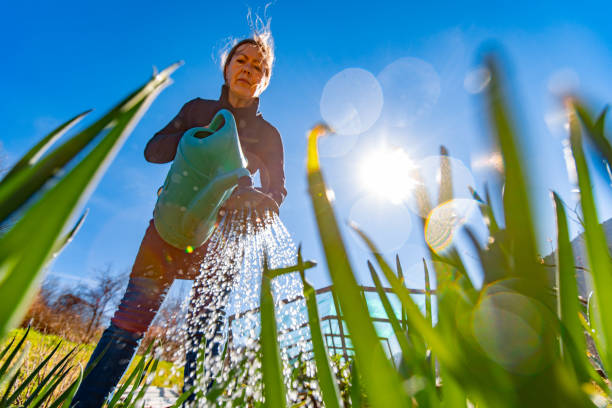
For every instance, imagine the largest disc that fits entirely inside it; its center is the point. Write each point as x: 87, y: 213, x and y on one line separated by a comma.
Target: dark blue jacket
x: 261, y: 143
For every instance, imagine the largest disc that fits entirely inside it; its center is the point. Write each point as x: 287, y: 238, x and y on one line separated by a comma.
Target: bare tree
x: 76, y: 313
x: 99, y: 298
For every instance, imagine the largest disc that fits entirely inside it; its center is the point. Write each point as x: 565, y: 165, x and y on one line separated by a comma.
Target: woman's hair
x: 262, y: 38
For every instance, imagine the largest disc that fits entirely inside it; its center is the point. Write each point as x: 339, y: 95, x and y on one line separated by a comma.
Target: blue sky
x: 63, y: 57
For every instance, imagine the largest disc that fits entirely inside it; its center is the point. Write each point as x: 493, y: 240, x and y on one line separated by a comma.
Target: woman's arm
x: 273, y: 168
x: 162, y: 146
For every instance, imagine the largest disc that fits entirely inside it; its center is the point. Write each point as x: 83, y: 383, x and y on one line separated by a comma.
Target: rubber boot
x: 114, y: 351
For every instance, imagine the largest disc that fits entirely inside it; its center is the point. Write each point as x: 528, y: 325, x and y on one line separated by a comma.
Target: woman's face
x: 246, y: 74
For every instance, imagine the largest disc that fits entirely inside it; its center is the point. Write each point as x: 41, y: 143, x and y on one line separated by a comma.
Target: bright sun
x: 388, y: 174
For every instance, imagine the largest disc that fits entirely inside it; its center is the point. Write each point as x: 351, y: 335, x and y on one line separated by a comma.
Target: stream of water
x: 221, y: 331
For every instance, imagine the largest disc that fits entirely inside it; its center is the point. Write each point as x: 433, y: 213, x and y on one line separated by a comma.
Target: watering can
x: 205, y: 171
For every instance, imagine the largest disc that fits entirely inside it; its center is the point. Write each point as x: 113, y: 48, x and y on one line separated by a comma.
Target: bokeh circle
x: 444, y: 221
x: 477, y: 80
x: 411, y: 88
x: 351, y: 101
x: 509, y: 327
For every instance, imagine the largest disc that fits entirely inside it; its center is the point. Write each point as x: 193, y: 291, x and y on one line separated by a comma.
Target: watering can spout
x: 205, y: 171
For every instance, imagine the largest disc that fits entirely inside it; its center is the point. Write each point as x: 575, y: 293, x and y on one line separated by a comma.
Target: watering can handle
x: 222, y: 119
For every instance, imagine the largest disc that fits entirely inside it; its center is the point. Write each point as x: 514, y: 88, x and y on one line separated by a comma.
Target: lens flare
x: 477, y: 80
x: 351, y: 101
x: 563, y: 82
x: 443, y: 222
x: 414, y: 275
x: 387, y: 173
x: 509, y: 327
x: 557, y: 122
x: 411, y: 87
x: 490, y: 161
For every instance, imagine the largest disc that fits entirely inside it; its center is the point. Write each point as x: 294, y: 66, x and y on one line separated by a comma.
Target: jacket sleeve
x: 162, y: 146
x: 274, y: 167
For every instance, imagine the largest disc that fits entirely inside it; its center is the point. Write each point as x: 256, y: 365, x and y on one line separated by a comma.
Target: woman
x: 247, y: 70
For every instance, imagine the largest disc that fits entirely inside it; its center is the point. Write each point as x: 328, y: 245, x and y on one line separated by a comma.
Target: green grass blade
x: 21, y: 267
x: 596, y: 246
x: 301, y: 266
x: 65, y: 240
x: 143, y: 389
x: 381, y: 382
x: 327, y: 381
x: 4, y: 402
x: 183, y: 397
x: 447, y: 346
x: 578, y: 361
x: 148, y: 365
x: 428, y: 311
x: 33, y: 375
x: 453, y: 394
x: 517, y: 209
x: 89, y: 368
x: 413, y: 364
x: 132, y: 378
x: 35, y: 153
x: 493, y: 224
x: 338, y: 310
x: 127, y: 402
x: 428, y: 314
x: 66, y: 398
x: 271, y: 364
x: 56, y: 206
x: 400, y: 274
x: 12, y: 371
x: 131, y: 381
x: 494, y: 259
x: 325, y: 376
x: 355, y: 388
x: 402, y: 340
x: 416, y: 320
x: 11, y: 356
x: 44, y: 384
x: 596, y: 132
x: 453, y: 261
x: 19, y: 188
x: 218, y: 388
x: 486, y: 211
x: 50, y: 387
x: 420, y: 348
x: 567, y: 299
x: 7, y: 348
x: 450, y: 350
